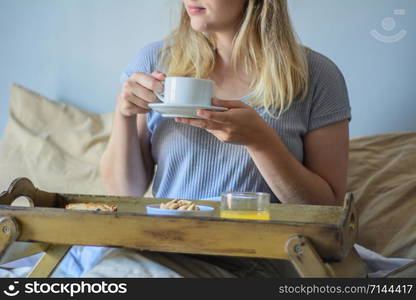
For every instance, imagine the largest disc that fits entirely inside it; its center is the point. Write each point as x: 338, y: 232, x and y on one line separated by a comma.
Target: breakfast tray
x: 318, y: 240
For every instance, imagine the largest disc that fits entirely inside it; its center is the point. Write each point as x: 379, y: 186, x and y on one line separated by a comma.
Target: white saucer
x: 182, y: 110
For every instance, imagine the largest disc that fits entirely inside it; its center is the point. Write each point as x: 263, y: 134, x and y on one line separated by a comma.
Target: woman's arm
x: 126, y: 165
x: 322, y: 178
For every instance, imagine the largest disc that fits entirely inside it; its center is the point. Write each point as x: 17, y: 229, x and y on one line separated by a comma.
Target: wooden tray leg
x: 305, y: 259
x: 9, y: 232
x: 308, y: 263
x: 16, y: 250
x: 49, y: 261
x: 351, y: 266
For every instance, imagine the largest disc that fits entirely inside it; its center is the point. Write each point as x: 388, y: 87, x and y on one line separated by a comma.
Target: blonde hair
x: 265, y: 45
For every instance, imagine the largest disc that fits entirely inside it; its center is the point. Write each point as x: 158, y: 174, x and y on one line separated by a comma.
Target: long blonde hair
x: 265, y: 45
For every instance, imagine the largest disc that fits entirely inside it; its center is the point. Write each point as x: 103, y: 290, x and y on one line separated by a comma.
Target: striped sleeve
x: 330, y: 101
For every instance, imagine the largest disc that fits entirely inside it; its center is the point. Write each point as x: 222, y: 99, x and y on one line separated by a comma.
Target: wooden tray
x: 330, y: 230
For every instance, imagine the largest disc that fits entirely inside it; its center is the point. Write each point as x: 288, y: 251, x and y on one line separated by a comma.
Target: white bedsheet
x: 90, y: 261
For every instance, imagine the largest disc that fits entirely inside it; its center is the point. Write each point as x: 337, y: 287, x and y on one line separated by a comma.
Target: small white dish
x: 204, y: 211
x: 182, y: 110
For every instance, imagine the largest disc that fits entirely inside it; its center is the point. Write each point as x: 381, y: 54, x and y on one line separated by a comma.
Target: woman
x: 286, y: 130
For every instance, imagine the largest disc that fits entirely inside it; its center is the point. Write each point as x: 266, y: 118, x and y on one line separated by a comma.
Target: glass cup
x: 245, y: 205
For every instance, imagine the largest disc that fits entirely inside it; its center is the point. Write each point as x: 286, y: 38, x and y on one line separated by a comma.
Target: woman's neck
x: 224, y: 44
x: 229, y: 83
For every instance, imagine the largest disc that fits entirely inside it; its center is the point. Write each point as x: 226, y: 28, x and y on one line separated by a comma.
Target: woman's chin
x: 199, y: 26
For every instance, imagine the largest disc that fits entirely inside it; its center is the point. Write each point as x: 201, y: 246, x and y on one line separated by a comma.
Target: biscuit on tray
x: 179, y: 205
x: 91, y: 206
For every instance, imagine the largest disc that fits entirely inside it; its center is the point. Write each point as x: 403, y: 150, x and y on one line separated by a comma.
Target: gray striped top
x: 194, y: 164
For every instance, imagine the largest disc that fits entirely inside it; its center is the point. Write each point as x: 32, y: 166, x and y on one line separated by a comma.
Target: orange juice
x: 246, y: 214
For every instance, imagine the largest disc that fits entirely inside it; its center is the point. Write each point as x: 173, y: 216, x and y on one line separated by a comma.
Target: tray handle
x: 23, y: 189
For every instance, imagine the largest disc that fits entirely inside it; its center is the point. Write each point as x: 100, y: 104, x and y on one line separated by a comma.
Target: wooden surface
x: 351, y: 266
x: 18, y: 250
x: 305, y: 259
x: 171, y: 234
x: 49, y: 261
x: 9, y: 232
x: 326, y: 215
x: 324, y: 226
x: 24, y: 187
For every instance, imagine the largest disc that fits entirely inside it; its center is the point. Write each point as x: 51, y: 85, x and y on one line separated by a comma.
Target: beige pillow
x: 382, y: 175
x: 57, y: 146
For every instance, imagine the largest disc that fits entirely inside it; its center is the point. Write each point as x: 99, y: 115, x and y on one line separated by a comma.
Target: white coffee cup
x: 187, y: 91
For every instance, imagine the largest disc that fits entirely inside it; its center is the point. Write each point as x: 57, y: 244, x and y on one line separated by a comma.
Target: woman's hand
x: 241, y: 124
x: 137, y: 93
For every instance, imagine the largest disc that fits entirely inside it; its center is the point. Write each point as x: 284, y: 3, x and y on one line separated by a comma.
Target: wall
x: 380, y: 76
x: 74, y: 51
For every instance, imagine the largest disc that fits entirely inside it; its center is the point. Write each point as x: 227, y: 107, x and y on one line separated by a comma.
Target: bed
x: 58, y: 147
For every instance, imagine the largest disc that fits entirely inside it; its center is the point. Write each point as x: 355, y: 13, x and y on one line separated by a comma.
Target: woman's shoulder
x: 321, y: 66
x: 150, y: 53
x: 145, y: 61
x: 152, y: 48
x: 328, y: 92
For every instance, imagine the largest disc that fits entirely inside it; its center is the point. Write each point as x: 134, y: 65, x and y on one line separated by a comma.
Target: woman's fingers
x: 229, y: 103
x: 137, y: 92
x: 222, y: 117
x: 148, y: 81
x: 143, y: 93
x: 132, y: 99
x: 159, y: 76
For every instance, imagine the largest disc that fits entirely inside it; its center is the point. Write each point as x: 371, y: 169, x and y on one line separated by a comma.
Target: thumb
x: 228, y: 103
x: 159, y: 75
